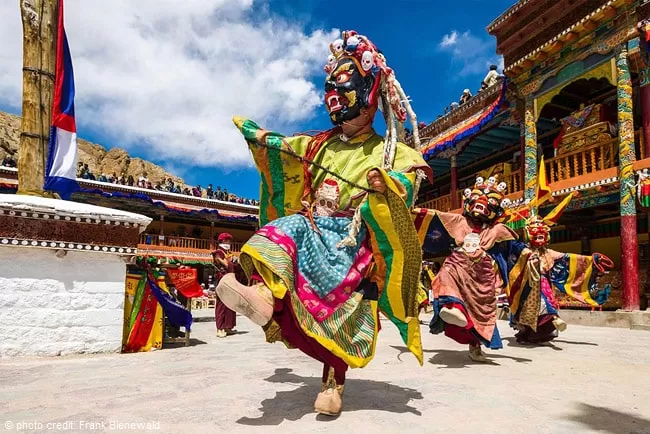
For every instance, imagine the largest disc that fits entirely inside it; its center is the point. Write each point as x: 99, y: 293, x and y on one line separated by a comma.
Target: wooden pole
x: 454, y: 183
x: 39, y: 19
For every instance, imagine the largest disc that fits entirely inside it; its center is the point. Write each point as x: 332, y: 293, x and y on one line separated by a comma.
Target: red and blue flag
x: 61, y: 171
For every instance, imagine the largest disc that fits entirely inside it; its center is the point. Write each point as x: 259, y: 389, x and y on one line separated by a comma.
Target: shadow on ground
x: 459, y: 359
x: 561, y: 341
x: 512, y: 342
x: 359, y: 395
x: 603, y: 419
x: 181, y: 344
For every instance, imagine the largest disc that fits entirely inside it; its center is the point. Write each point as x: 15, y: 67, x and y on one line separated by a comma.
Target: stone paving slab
x: 589, y: 380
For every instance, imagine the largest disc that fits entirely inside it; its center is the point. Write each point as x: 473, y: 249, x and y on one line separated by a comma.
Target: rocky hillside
x: 99, y: 160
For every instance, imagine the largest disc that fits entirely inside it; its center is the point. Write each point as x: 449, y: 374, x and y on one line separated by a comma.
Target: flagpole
x: 39, y: 18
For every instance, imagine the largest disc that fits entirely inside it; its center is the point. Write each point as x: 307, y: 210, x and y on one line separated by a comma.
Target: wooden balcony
x: 443, y: 203
x: 578, y: 167
x: 583, y: 161
x: 181, y: 247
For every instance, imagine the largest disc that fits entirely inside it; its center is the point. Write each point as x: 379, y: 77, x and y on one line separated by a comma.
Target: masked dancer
x: 541, y: 272
x: 338, y: 244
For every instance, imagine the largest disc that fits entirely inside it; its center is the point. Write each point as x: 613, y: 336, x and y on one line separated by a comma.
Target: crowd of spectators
x: 168, y: 185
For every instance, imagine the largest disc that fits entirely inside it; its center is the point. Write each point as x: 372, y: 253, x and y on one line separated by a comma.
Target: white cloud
x: 471, y: 54
x: 449, y: 39
x: 165, y: 76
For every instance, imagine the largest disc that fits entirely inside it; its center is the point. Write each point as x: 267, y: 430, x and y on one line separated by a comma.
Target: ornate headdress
x: 485, y: 202
x: 538, y: 229
x: 376, y: 87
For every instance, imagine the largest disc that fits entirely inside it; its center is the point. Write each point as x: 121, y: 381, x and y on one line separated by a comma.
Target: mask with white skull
x: 326, y: 202
x: 471, y: 243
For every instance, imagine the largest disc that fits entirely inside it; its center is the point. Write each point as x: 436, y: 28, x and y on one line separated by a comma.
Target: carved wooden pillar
x: 626, y: 156
x: 522, y: 156
x: 530, y: 148
x: 212, y: 245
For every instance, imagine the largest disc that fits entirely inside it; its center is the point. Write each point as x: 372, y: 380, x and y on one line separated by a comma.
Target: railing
x: 514, y: 182
x: 182, y: 242
x: 580, y: 162
x: 443, y: 203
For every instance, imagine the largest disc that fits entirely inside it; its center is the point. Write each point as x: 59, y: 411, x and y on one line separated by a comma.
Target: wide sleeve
x: 575, y: 276
x: 398, y: 258
x: 436, y: 230
x: 282, y: 173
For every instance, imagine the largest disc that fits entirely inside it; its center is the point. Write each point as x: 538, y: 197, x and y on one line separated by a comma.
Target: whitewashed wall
x: 51, y: 306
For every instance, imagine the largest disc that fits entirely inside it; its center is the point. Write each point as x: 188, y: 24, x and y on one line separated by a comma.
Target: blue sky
x: 437, y: 49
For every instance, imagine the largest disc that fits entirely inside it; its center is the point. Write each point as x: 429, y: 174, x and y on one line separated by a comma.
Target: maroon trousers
x: 293, y: 334
x: 225, y: 318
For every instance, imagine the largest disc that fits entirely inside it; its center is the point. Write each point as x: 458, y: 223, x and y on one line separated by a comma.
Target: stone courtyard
x: 589, y: 380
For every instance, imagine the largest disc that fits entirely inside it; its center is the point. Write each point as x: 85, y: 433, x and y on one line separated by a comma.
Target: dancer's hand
x: 534, y: 259
x: 260, y: 135
x: 376, y: 181
x: 602, y: 262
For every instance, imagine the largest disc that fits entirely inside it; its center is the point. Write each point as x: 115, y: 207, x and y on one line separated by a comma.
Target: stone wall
x: 55, y: 306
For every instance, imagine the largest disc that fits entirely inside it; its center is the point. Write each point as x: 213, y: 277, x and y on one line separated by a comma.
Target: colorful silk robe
x: 330, y: 288
x: 567, y: 273
x: 467, y: 283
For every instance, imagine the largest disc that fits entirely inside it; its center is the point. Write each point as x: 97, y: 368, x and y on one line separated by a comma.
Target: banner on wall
x: 185, y: 280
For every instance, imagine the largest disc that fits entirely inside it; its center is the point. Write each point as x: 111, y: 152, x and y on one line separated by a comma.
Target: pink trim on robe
x: 321, y: 308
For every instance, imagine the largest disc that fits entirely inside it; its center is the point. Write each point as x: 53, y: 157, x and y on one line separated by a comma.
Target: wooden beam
x: 39, y: 19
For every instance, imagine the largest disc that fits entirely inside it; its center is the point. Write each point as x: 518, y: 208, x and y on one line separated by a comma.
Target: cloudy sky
x: 163, y: 78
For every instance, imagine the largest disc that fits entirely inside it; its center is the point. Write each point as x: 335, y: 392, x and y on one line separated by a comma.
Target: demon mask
x: 538, y: 233
x: 483, y: 203
x: 354, y: 72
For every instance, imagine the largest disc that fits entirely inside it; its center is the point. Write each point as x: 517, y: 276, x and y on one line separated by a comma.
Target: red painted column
x: 626, y: 156
x: 212, y: 245
x: 454, y: 183
x: 645, y: 111
x: 630, y: 263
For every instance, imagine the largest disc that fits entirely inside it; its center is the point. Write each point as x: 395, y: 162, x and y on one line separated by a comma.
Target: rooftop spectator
x: 491, y: 78
x: 209, y: 192
x: 143, y: 180
x: 9, y: 161
x: 465, y: 97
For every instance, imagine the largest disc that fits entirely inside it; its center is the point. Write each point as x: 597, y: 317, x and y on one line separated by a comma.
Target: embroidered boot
x: 330, y: 400
x: 559, y: 324
x: 254, y: 302
x: 476, y: 354
x: 453, y: 316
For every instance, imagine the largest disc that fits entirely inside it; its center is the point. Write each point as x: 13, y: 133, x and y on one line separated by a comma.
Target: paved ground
x: 590, y: 380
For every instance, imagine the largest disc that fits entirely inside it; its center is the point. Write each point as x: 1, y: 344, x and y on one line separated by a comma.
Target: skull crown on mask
x: 484, y: 203
x: 353, y: 77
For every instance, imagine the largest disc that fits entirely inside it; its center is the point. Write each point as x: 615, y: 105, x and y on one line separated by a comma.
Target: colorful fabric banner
x: 61, y: 171
x: 185, y: 280
x: 465, y: 129
x: 177, y: 315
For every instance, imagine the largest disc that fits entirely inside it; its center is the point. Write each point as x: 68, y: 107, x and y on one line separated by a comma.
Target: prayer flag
x: 61, y: 171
